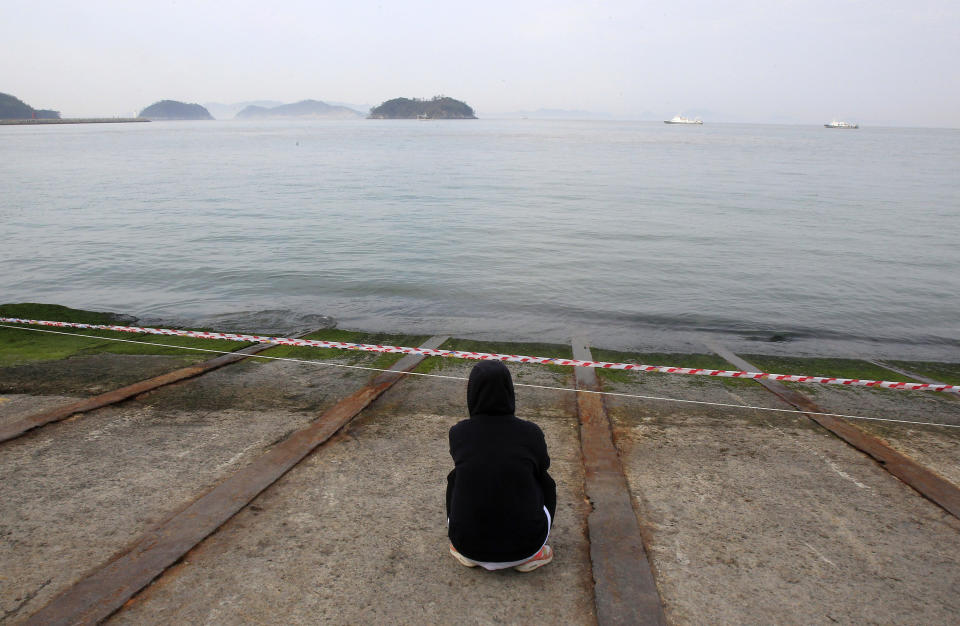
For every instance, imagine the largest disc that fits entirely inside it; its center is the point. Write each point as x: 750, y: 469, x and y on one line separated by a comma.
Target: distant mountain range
x: 227, y: 111
x: 305, y: 109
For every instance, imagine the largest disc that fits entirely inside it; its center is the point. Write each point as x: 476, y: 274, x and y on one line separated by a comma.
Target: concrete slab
x: 79, y: 491
x: 755, y: 517
x: 936, y: 447
x: 356, y: 533
x: 766, y: 518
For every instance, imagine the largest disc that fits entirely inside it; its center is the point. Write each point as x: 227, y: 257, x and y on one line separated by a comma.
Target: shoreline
x: 704, y: 355
x: 638, y: 337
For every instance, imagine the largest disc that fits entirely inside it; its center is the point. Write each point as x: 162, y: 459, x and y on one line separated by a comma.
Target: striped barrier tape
x: 486, y: 356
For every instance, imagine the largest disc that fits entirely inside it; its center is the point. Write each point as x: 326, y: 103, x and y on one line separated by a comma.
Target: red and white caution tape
x: 486, y: 356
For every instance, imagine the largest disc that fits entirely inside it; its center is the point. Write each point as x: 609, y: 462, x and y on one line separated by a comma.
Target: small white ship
x: 679, y: 119
x: 836, y: 124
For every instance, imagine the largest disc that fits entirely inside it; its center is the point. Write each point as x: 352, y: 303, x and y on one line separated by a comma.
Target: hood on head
x: 490, y: 390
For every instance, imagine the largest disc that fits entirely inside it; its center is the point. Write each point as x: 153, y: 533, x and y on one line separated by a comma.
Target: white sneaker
x: 462, y: 559
x: 539, y: 560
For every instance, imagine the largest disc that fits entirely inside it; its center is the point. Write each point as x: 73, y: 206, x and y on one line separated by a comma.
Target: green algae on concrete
x: 703, y: 361
x: 19, y: 347
x: 552, y: 350
x: 828, y: 367
x: 60, y: 313
x: 380, y: 360
x: 833, y: 367
x: 24, y: 345
x: 947, y: 373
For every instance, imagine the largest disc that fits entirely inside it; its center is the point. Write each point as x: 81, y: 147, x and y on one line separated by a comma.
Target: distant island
x: 305, y: 109
x: 12, y: 108
x: 173, y: 110
x: 223, y: 111
x: 438, y: 107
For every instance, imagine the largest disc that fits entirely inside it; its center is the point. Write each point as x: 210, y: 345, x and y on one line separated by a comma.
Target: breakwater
x: 78, y: 120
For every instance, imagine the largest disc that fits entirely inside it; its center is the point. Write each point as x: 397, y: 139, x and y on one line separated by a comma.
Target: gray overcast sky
x: 876, y: 62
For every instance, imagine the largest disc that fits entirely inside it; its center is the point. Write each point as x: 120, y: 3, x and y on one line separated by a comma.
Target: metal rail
x: 98, y: 595
x: 625, y: 591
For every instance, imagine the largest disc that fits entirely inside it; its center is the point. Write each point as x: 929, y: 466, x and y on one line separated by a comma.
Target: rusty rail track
x: 101, y: 593
x: 625, y: 591
x: 927, y: 483
x: 60, y: 413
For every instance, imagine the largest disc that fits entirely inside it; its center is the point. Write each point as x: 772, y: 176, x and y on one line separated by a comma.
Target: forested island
x: 173, y: 110
x: 305, y: 109
x: 438, y: 107
x: 12, y: 108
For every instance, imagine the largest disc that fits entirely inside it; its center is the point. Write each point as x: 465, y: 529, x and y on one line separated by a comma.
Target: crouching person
x: 501, y: 501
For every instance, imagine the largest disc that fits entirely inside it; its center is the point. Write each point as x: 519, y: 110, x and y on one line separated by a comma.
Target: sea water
x: 637, y: 235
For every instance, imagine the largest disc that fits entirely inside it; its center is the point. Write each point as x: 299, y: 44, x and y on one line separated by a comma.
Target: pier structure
x: 157, y: 489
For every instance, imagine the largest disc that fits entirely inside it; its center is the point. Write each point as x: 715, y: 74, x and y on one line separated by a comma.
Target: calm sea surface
x: 638, y: 235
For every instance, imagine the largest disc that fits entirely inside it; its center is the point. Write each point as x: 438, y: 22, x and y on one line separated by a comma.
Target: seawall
x: 77, y: 120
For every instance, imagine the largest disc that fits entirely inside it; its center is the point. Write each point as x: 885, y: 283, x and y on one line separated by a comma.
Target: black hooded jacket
x: 499, y: 484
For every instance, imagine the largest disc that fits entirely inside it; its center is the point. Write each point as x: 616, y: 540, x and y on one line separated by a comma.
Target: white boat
x: 679, y: 119
x: 836, y: 124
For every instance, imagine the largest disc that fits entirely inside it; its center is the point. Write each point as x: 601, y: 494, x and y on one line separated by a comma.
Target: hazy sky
x: 876, y: 61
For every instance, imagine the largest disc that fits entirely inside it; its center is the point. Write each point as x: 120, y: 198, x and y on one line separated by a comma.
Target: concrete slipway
x: 747, y: 516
